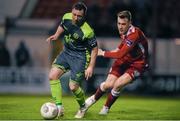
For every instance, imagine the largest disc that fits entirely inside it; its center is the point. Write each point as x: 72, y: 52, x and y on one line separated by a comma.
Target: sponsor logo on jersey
x: 129, y: 43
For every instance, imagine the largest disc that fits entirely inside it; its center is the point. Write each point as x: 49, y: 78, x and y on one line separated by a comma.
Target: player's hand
x: 100, y: 52
x: 88, y: 72
x: 49, y: 39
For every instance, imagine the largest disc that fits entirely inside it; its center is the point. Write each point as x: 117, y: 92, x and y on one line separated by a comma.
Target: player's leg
x: 59, y: 67
x: 77, y: 66
x: 77, y: 92
x: 79, y: 96
x: 56, y: 89
x: 108, y: 84
x: 130, y: 73
x: 104, y: 86
x: 115, y: 92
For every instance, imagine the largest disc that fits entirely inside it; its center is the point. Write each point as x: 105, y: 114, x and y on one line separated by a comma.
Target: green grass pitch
x: 125, y: 108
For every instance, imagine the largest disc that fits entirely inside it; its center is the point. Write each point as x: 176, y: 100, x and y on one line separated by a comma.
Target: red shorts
x: 134, y: 70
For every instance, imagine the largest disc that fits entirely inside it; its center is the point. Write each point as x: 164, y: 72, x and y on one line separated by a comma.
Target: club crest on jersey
x: 129, y: 43
x: 75, y: 36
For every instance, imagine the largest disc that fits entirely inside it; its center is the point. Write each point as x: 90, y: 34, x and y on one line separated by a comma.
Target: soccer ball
x: 49, y: 110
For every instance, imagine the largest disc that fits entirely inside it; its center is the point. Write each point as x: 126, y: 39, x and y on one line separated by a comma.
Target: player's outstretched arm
x: 101, y: 52
x: 59, y: 31
x: 119, y: 53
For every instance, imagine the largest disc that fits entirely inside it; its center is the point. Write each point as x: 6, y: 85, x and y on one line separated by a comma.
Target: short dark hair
x: 125, y: 14
x: 80, y: 6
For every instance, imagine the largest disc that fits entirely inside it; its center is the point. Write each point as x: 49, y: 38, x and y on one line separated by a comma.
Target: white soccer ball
x: 49, y: 110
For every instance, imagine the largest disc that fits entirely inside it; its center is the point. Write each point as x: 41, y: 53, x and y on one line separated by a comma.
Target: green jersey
x: 77, y: 38
x: 78, y: 43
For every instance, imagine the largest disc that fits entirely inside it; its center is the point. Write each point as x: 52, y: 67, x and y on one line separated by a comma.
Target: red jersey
x: 132, y: 49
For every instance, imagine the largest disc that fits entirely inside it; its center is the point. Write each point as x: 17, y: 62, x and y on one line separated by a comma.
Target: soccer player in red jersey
x: 131, y: 60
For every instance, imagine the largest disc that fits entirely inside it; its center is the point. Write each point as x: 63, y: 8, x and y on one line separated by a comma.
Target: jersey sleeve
x: 92, y: 42
x: 65, y: 17
x: 62, y: 22
x: 89, y: 36
x: 128, y: 45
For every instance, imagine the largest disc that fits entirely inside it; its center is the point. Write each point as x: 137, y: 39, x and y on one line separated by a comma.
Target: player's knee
x: 104, y: 87
x: 55, y: 73
x: 73, y: 87
x: 53, y: 76
x: 120, y: 85
x: 122, y: 81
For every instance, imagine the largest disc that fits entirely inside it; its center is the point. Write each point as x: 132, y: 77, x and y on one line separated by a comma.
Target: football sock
x: 112, y: 97
x: 80, y: 97
x: 56, y: 91
x: 99, y: 93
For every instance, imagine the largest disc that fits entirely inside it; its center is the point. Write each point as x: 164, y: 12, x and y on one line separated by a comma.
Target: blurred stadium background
x: 25, y: 57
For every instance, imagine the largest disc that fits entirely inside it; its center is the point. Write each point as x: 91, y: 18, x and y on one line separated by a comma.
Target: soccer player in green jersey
x: 78, y: 56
